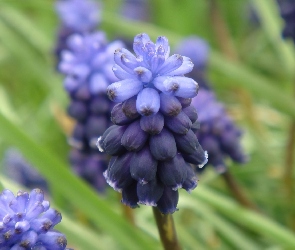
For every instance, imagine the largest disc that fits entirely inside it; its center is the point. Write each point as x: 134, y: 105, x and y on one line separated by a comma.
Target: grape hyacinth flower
x: 27, y: 222
x: 152, y: 142
x: 217, y: 133
x: 287, y: 8
x: 77, y: 17
x: 18, y: 169
x: 135, y: 10
x: 88, y: 70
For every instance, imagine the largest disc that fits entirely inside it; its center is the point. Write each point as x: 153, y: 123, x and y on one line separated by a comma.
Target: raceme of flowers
x: 152, y: 142
x: 27, y: 222
x: 217, y: 134
x: 88, y: 69
x: 77, y: 17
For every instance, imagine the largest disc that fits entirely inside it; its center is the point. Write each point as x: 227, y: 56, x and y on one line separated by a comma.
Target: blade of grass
x: 75, y: 190
x: 225, y: 228
x: 256, y: 222
x: 271, y: 23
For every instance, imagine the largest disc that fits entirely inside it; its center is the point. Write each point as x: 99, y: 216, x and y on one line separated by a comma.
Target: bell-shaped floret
x: 118, y: 173
x: 149, y: 194
x: 163, y: 146
x: 110, y: 141
x: 123, y: 90
x: 173, y: 172
x: 129, y: 108
x: 129, y: 195
x: 191, y: 181
x: 179, y: 124
x: 134, y: 138
x: 148, y: 102
x: 191, y: 112
x: 143, y: 166
x: 118, y: 117
x: 152, y: 124
x: 169, y: 105
x: 168, y: 202
x: 199, y: 157
x: 187, y: 143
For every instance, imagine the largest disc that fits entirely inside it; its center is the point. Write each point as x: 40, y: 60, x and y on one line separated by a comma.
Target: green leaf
x: 271, y: 24
x: 232, y: 233
x: 256, y: 222
x: 75, y: 190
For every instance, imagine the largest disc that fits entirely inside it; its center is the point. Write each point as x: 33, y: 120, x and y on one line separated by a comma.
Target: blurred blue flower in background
x: 77, y: 17
x: 87, y: 65
x: 27, y: 222
x: 18, y: 169
x: 287, y: 8
x: 217, y: 134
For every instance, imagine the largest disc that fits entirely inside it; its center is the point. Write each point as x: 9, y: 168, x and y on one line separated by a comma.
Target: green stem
x: 167, y: 230
x: 222, y: 32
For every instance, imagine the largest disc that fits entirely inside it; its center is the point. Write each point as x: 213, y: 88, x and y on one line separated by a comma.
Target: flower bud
x: 149, y: 194
x: 163, y: 146
x: 179, y: 124
x: 143, y: 166
x: 152, y: 124
x: 134, y: 138
x: 173, y: 172
x: 169, y: 105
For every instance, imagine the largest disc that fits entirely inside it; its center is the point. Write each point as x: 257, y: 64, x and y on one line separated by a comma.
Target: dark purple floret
x: 155, y: 116
x: 217, y: 134
x: 18, y: 169
x: 27, y: 222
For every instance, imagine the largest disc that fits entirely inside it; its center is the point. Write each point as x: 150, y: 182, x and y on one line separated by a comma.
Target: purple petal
x: 143, y: 74
x: 181, y: 86
x: 123, y: 90
x: 148, y: 102
x: 121, y: 73
x: 171, y: 64
x: 186, y: 67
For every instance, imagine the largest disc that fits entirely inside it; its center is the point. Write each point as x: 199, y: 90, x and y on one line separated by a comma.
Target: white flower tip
x: 205, y: 161
x: 98, y: 144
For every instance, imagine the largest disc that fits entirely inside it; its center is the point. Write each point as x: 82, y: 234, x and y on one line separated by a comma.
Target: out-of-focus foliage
x: 255, y: 79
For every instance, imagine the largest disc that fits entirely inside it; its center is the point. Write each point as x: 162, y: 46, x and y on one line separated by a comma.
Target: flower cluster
x: 27, y: 222
x: 152, y: 142
x: 218, y: 133
x: 18, y: 169
x: 77, y: 17
x: 287, y: 8
x: 87, y: 66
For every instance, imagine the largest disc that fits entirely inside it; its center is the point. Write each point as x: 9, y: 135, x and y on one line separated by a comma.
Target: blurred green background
x: 252, y: 71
